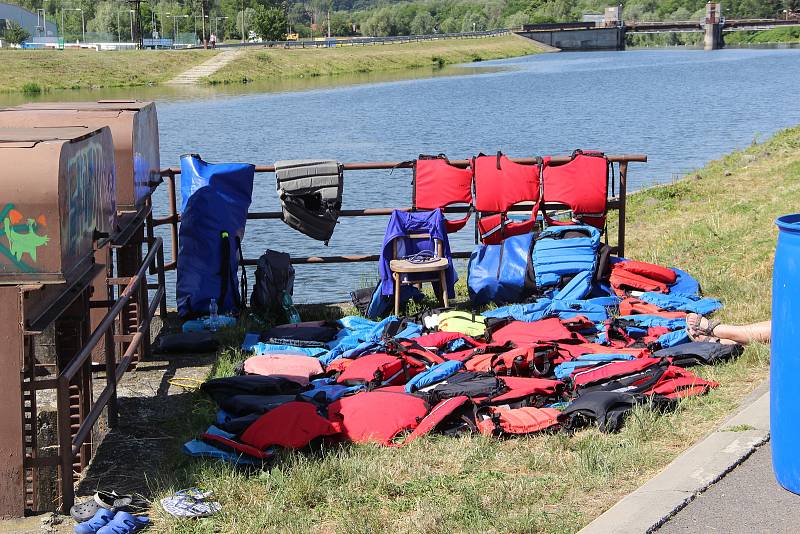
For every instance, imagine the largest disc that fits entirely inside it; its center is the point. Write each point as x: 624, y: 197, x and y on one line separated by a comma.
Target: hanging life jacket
x: 499, y: 185
x: 310, y: 193
x: 438, y: 184
x: 581, y: 184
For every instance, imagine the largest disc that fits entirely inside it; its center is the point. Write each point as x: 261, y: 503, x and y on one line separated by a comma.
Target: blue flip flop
x: 125, y: 523
x: 100, y: 519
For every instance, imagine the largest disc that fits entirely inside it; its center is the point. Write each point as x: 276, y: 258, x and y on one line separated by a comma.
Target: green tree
x: 14, y: 33
x: 423, y: 24
x: 270, y: 23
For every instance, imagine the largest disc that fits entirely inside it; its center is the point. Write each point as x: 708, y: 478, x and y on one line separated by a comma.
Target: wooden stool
x: 437, y: 269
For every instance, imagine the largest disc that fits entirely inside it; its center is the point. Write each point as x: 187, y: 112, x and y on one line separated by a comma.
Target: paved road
x: 747, y: 501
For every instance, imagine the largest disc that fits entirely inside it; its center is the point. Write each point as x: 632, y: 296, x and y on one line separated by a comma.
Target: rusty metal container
x: 56, y: 192
x: 134, y: 128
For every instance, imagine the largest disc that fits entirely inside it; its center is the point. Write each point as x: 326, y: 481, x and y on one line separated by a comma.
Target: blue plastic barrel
x: 785, y: 355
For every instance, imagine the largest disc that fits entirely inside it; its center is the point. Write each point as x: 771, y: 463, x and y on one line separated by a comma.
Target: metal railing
x: 365, y: 41
x: 615, y: 202
x: 72, y: 439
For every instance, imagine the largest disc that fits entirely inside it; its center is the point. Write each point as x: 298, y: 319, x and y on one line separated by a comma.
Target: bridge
x: 610, y: 33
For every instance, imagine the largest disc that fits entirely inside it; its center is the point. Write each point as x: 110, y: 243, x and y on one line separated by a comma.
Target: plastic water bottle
x: 288, y: 307
x: 213, y: 315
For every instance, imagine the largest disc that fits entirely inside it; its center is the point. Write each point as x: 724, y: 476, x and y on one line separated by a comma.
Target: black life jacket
x: 310, y: 192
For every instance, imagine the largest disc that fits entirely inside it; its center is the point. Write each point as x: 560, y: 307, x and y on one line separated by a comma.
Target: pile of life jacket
x: 548, y: 365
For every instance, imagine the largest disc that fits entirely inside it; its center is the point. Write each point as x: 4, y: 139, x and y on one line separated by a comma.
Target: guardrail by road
x: 364, y: 41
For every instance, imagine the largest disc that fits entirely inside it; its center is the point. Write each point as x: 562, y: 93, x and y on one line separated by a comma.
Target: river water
x: 681, y: 107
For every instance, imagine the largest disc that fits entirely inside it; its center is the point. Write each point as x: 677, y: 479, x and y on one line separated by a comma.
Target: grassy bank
x: 775, y: 35
x: 25, y: 70
x: 263, y: 64
x: 717, y: 224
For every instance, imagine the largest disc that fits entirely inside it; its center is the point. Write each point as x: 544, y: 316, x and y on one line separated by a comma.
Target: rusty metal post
x: 65, y: 446
x: 12, y: 473
x: 623, y: 195
x: 173, y: 215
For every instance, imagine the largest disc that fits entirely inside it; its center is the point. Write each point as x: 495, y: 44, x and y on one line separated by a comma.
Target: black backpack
x: 274, y: 275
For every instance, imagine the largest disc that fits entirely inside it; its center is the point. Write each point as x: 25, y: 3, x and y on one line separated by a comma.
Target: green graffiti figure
x: 24, y: 243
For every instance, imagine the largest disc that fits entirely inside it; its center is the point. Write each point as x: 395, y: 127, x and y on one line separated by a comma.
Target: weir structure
x: 76, y: 305
x: 611, y: 32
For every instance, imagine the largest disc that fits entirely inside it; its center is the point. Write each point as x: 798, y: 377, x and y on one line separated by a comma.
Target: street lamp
x: 83, y: 21
x: 175, y: 26
x: 216, y: 24
x: 195, y: 25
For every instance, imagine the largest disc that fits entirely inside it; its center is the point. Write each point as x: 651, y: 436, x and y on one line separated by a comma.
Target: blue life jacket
x: 211, y: 230
x: 680, y: 302
x: 685, y: 284
x: 558, y: 255
x: 670, y: 339
x: 326, y: 390
x: 437, y: 373
x: 541, y: 308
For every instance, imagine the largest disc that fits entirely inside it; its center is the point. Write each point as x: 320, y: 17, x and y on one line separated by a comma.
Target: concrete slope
x: 207, y: 68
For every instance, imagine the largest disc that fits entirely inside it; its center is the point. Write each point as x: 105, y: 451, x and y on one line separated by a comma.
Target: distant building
x: 27, y: 19
x: 597, y: 18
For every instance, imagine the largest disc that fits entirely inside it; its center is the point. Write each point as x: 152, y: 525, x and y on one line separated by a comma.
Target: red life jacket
x: 581, y: 184
x: 436, y: 416
x: 375, y: 370
x: 546, y: 330
x: 678, y: 383
x: 437, y: 184
x: 292, y: 425
x: 640, y: 276
x: 535, y: 360
x: 499, y: 185
x: 536, y: 391
x: 498, y: 421
x: 606, y: 372
x: 377, y: 415
x: 634, y: 306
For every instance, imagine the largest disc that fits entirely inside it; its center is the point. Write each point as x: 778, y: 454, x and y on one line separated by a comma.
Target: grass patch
x: 267, y: 64
x: 738, y: 428
x: 542, y: 484
x: 86, y: 69
x: 31, y: 88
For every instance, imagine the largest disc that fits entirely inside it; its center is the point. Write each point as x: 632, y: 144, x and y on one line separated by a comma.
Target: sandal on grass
x: 698, y: 332
x: 112, y: 500
x: 190, y: 503
x: 84, y: 511
x: 125, y: 523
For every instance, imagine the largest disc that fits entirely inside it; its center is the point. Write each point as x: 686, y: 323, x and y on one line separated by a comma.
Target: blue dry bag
x: 212, y: 227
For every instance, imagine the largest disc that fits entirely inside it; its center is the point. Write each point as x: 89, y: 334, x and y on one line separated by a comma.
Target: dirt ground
x: 133, y: 453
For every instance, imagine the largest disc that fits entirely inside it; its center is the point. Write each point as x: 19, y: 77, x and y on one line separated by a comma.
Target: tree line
x: 275, y: 20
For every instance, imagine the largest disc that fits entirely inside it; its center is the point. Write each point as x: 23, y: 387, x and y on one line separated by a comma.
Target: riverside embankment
x: 717, y: 224
x: 45, y: 70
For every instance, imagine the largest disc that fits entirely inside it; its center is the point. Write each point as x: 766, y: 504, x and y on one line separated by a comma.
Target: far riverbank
x: 39, y: 71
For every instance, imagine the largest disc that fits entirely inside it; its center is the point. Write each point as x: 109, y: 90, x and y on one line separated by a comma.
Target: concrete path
x: 704, y: 464
x: 747, y: 501
x: 207, y: 68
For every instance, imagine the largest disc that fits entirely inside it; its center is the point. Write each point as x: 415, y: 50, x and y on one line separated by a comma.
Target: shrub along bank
x: 717, y: 224
x: 265, y: 64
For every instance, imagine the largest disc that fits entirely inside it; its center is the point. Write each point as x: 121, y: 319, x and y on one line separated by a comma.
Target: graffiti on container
x: 90, y: 201
x: 23, y: 237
